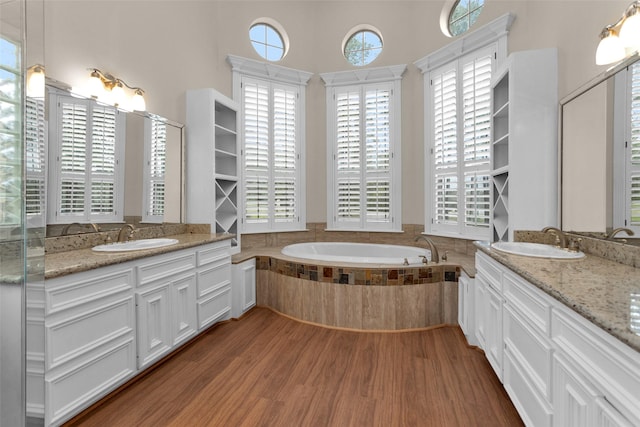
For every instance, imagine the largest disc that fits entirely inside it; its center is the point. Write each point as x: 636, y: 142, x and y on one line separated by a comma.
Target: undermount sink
x: 135, y: 245
x: 537, y: 250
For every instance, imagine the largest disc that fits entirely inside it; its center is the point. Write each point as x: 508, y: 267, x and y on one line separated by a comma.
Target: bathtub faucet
x: 432, y: 247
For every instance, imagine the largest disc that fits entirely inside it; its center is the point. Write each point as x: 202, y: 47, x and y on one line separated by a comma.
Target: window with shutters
x: 155, y: 156
x: 459, y: 101
x: 272, y: 126
x: 86, y: 173
x: 10, y: 134
x: 363, y: 128
x: 35, y: 162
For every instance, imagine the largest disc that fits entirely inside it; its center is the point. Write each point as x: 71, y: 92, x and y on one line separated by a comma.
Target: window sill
x: 364, y: 230
x: 298, y: 230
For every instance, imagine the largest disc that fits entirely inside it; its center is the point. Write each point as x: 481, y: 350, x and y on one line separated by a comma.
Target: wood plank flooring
x: 269, y: 370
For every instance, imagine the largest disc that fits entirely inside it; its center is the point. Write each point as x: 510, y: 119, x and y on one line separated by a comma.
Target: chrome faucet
x: 125, y: 232
x: 613, y: 233
x: 561, y: 238
x: 435, y: 257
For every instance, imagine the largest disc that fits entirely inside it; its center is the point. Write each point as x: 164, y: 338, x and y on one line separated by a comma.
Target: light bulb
x: 95, y: 87
x: 35, y: 84
x: 610, y: 49
x: 138, y: 103
x: 118, y: 94
x: 630, y: 31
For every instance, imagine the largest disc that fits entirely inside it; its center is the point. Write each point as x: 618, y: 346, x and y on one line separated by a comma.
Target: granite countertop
x: 74, y: 261
x: 596, y: 288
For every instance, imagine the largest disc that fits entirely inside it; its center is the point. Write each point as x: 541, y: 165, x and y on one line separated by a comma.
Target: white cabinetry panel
x: 558, y: 368
x: 154, y: 324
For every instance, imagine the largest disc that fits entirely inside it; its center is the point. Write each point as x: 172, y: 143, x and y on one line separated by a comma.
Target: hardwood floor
x: 269, y: 370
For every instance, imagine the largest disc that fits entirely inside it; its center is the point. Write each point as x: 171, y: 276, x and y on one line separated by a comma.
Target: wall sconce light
x: 35, y: 81
x: 621, y: 39
x: 111, y: 90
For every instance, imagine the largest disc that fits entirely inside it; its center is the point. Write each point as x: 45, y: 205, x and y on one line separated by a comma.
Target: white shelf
x: 524, y: 143
x: 213, y: 151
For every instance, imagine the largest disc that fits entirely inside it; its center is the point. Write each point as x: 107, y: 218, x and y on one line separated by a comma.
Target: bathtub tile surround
x: 361, y: 276
x: 358, y: 306
x: 359, y: 297
x: 317, y: 232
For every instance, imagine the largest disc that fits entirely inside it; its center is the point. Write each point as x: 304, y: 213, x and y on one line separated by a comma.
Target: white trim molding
x: 251, y: 67
x: 369, y: 75
x: 483, y: 36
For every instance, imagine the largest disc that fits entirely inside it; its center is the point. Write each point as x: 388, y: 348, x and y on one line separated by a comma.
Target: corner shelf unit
x: 213, y: 162
x: 524, y: 139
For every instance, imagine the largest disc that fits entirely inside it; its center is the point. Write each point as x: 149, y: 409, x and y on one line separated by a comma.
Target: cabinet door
x: 493, y: 330
x: 573, y: 397
x: 248, y: 273
x: 481, y: 309
x: 466, y: 308
x: 154, y: 324
x: 183, y: 308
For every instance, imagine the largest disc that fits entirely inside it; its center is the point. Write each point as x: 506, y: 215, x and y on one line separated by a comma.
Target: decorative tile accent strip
x: 360, y: 276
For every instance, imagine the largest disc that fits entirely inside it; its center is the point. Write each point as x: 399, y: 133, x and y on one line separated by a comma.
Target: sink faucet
x: 613, y: 233
x: 435, y: 257
x: 561, y: 239
x: 125, y: 232
x: 66, y: 228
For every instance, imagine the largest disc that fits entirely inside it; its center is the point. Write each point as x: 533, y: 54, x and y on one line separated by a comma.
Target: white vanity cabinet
x: 244, y: 287
x: 166, y: 302
x: 105, y: 325
x: 89, y: 338
x: 557, y: 367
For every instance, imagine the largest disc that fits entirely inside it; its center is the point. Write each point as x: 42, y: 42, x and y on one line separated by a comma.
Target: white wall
x: 167, y: 47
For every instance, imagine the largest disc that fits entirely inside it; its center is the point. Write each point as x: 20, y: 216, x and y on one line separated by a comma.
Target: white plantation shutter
x: 271, y: 155
x: 476, y: 94
x: 445, y: 149
x: 460, y: 101
x: 35, y: 161
x: 87, y: 139
x: 363, y: 117
x: 155, y: 168
x: 632, y: 214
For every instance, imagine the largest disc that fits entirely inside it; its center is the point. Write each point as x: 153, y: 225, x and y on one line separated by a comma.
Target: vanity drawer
x: 214, y: 277
x: 76, y: 290
x: 490, y: 270
x: 160, y: 267
x: 214, y: 307
x: 529, y: 301
x: 214, y: 252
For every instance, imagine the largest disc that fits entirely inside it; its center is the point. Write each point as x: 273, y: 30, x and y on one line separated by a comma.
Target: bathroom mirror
x: 139, y: 129
x: 600, y: 153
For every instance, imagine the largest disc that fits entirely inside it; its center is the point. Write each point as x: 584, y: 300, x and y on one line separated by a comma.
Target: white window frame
x: 274, y: 76
x: 491, y: 36
x: 383, y: 77
x: 150, y: 140
x: 54, y: 173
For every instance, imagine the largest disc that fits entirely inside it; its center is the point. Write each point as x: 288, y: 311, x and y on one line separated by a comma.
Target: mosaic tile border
x: 360, y: 276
